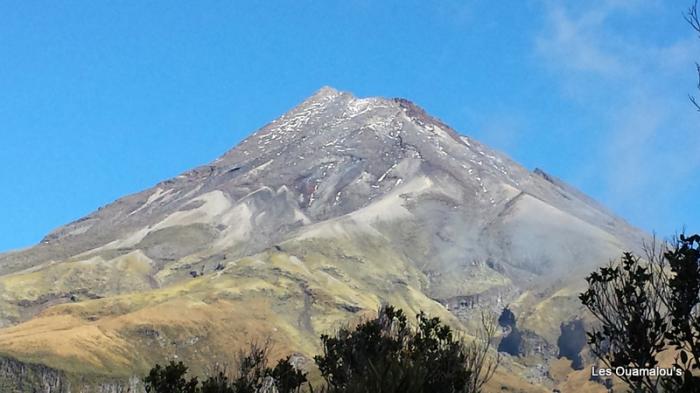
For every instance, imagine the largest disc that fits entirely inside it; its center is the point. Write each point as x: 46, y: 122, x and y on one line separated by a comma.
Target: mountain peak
x: 331, y: 155
x: 326, y: 91
x: 340, y: 204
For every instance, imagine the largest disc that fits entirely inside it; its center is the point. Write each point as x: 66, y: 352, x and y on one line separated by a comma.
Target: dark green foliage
x: 682, y: 299
x: 622, y: 296
x: 288, y: 379
x: 252, y: 370
x: 218, y: 383
x: 170, y: 379
x: 384, y: 355
x: 354, y: 355
x: 442, y: 358
x: 253, y: 376
x: 644, y: 308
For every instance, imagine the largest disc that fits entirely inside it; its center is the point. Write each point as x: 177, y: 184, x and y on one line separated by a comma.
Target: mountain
x: 318, y: 218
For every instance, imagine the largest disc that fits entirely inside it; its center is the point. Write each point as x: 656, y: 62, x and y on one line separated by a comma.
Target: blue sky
x: 102, y: 99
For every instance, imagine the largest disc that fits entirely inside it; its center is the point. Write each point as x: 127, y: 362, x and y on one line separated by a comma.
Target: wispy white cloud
x: 573, y: 43
x: 651, y: 136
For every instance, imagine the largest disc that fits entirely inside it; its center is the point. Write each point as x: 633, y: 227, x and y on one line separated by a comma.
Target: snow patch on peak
x: 358, y: 106
x: 326, y: 91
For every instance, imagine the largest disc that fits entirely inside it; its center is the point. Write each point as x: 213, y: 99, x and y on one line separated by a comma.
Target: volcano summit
x: 339, y: 206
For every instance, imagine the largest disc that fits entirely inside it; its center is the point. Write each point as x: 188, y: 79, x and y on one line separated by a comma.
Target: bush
x: 386, y: 355
x: 170, y: 379
x: 252, y: 376
x: 647, y: 307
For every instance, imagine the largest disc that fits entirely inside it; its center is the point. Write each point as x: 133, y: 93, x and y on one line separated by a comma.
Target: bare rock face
x: 338, y: 206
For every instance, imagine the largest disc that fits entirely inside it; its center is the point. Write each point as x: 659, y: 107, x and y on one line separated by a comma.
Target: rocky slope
x: 338, y: 206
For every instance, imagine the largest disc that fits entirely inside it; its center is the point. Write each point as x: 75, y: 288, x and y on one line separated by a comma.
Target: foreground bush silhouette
x: 253, y: 376
x: 647, y: 307
x: 381, y: 355
x: 170, y: 379
x: 386, y: 355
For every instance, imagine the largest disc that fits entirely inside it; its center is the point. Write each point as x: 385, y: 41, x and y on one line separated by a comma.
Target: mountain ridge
x: 325, y: 93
